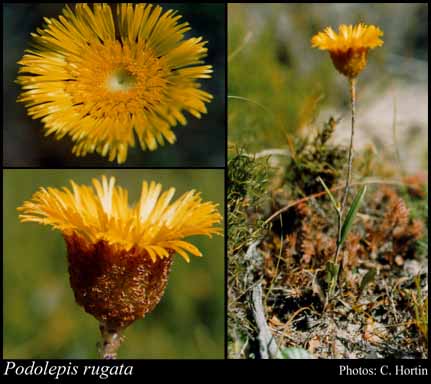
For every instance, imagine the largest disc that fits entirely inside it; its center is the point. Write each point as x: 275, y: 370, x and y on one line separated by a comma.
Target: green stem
x: 111, y: 341
x: 352, y: 83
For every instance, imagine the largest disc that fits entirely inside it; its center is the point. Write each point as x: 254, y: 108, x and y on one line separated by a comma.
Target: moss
x: 315, y: 157
x: 246, y: 195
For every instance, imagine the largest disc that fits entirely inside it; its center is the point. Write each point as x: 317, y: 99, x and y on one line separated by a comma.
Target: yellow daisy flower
x: 119, y: 255
x: 100, y: 79
x: 349, y: 48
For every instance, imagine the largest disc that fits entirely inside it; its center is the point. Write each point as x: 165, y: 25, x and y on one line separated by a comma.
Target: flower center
x: 121, y: 80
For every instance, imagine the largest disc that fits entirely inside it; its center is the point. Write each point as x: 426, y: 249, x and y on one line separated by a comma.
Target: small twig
x: 323, y: 193
x: 268, y: 347
x: 292, y: 317
x: 242, y: 351
x: 241, y: 46
x: 252, y: 102
x: 391, y: 300
x: 237, y: 299
x: 276, y: 267
x: 252, y: 257
x: 271, y: 152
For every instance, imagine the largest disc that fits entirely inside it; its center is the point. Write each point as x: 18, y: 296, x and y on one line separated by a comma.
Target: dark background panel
x: 201, y: 143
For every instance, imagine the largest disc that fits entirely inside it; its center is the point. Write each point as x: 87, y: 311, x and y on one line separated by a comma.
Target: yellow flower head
x: 349, y: 48
x: 100, y: 78
x: 120, y: 255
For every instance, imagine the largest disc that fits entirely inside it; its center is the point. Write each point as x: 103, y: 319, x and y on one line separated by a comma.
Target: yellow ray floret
x: 100, y: 81
x: 349, y: 47
x: 153, y: 225
x: 348, y: 37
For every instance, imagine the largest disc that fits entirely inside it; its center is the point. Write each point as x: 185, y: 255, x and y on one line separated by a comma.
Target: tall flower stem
x: 352, y: 83
x: 111, y: 341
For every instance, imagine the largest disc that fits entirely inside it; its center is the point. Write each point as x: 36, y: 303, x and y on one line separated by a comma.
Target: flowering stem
x: 349, y: 169
x: 340, y: 211
x: 111, y: 341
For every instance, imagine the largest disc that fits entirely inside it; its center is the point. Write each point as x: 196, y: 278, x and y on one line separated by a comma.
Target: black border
x: 238, y: 369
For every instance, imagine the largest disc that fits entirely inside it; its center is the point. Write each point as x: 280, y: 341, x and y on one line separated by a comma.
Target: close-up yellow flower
x: 349, y: 48
x: 102, y: 78
x: 120, y: 255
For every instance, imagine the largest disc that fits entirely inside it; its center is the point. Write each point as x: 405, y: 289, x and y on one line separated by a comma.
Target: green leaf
x: 367, y: 279
x: 334, y: 203
x: 351, y: 214
x: 295, y: 353
x: 331, y: 272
